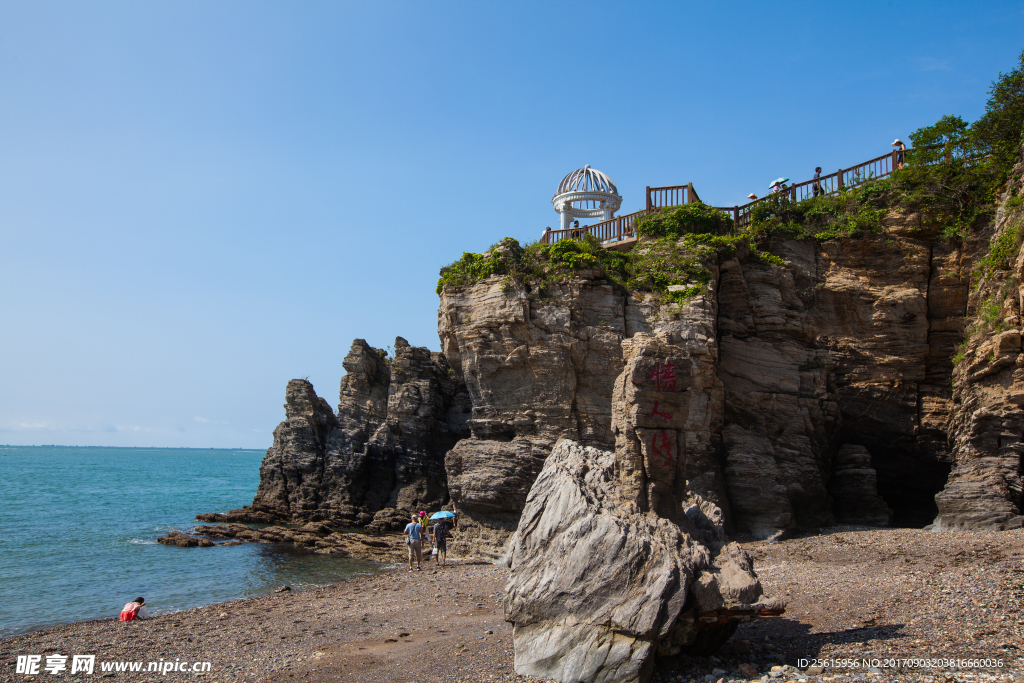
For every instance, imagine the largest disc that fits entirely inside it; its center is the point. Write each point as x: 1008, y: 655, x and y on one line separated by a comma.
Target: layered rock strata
x: 536, y: 370
x: 380, y: 457
x: 543, y: 368
x: 598, y: 586
x: 667, y: 406
x: 987, y: 420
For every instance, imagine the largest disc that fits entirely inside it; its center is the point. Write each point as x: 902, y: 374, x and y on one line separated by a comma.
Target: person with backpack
x: 414, y: 539
x: 440, y: 540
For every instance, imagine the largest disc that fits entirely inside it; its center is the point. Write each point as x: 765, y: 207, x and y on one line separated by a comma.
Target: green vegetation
x: 659, y: 263
x: 669, y: 262
x: 531, y: 267
x: 690, y: 219
x: 1004, y: 250
x: 855, y: 212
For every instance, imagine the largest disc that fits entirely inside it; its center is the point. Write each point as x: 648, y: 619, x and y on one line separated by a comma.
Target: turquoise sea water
x: 78, y: 530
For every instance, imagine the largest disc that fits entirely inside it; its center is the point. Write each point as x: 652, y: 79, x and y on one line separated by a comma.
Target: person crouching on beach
x: 136, y: 609
x: 414, y: 539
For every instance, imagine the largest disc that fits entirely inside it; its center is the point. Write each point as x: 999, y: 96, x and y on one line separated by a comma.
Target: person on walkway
x: 752, y: 196
x: 900, y: 156
x: 816, y: 187
x: 439, y: 537
x: 414, y: 539
x: 136, y: 609
x: 576, y: 232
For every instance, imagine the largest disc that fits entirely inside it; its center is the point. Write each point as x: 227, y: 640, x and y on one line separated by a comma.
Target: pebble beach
x: 863, y: 604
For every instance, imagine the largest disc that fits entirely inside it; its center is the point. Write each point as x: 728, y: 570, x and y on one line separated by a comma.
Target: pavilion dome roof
x: 586, y: 179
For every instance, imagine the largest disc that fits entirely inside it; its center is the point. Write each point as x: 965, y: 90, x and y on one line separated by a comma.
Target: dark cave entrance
x: 908, y: 483
x: 909, y: 470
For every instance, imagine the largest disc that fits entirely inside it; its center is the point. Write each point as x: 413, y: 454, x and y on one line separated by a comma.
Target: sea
x: 78, y: 530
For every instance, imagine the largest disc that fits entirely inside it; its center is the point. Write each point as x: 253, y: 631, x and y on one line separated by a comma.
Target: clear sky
x: 202, y: 200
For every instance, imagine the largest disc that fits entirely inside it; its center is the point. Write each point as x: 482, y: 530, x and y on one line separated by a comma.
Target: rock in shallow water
x: 598, y: 587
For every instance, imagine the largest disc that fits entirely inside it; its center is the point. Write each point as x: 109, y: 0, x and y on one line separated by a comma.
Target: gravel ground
x: 857, y: 597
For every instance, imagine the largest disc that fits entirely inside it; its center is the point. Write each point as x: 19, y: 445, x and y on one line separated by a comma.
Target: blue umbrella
x: 443, y: 514
x: 778, y: 181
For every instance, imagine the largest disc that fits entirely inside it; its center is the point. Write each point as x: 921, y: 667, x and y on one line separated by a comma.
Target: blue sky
x: 202, y: 200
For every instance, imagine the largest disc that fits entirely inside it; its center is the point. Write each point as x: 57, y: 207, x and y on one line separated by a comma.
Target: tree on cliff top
x: 999, y: 129
x: 997, y: 133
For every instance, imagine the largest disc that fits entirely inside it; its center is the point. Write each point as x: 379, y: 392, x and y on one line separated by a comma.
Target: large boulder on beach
x: 598, y: 587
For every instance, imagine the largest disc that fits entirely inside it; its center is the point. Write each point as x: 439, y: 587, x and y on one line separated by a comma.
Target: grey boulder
x: 597, y: 587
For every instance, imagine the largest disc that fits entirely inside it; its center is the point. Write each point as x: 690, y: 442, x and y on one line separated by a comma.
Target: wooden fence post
x: 840, y: 179
x: 648, y: 197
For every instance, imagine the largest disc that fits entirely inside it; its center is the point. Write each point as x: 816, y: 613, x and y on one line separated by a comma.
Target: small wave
x: 142, y: 541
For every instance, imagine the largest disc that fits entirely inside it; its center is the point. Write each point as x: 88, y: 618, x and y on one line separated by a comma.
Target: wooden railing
x: 872, y: 169
x: 674, y: 195
x: 624, y: 227
x: 614, y: 230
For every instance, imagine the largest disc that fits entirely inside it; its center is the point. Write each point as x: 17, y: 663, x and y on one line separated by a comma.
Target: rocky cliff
x: 774, y: 368
x: 986, y: 422
x: 793, y: 376
x: 379, y: 457
x: 812, y: 386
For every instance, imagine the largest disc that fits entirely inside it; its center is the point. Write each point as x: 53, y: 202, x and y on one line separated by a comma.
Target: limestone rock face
x: 540, y: 368
x: 850, y: 342
x: 667, y: 412
x: 291, y: 472
x: 987, y: 419
x: 597, y: 586
x: 379, y: 458
x: 854, y: 487
x: 536, y: 370
x: 490, y: 481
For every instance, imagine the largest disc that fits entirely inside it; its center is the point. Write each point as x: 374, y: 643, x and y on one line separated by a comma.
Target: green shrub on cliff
x: 696, y: 218
x: 533, y: 266
x: 852, y: 213
x: 664, y: 262
x: 652, y: 267
x: 953, y: 197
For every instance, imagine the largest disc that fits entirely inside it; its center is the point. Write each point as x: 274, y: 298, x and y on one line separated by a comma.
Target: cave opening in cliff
x: 908, y: 483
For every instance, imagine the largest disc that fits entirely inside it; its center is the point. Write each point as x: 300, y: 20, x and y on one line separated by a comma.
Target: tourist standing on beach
x: 414, y: 539
x: 440, y: 539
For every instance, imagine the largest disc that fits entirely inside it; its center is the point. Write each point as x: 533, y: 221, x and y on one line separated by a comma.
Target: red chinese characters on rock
x: 661, y: 449
x: 664, y: 376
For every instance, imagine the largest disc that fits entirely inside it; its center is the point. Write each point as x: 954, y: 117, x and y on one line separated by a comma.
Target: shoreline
x: 855, y: 594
